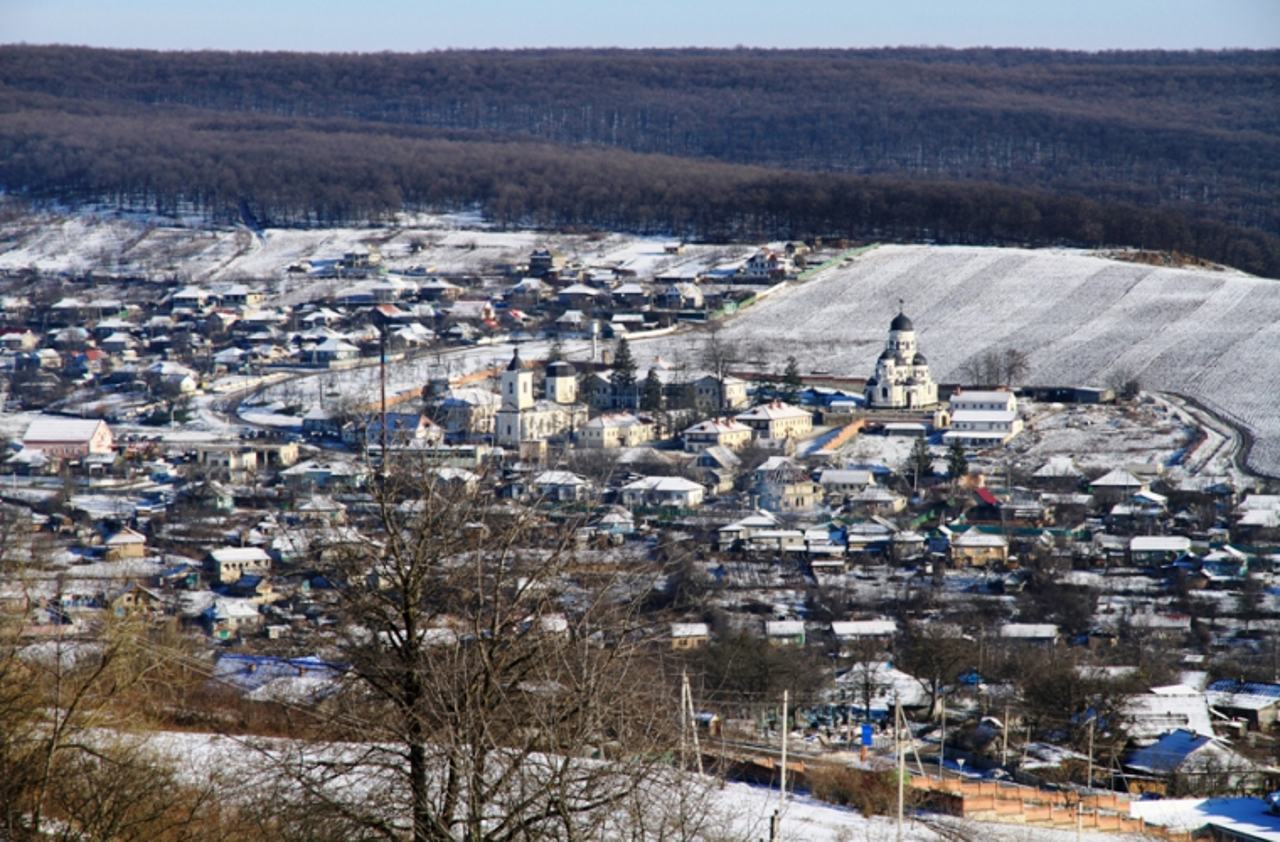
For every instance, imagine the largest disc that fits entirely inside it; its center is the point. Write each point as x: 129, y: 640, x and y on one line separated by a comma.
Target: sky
x: 418, y: 25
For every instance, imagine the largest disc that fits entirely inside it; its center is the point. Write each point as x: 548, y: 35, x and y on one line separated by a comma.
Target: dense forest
x: 1158, y: 150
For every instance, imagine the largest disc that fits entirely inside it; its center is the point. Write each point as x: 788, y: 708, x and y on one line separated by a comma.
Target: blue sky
x: 403, y: 25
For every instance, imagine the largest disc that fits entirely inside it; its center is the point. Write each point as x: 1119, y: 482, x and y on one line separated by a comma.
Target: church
x: 901, y: 379
x: 522, y: 417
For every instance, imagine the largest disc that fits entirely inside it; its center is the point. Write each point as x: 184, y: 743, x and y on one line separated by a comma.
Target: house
x: 767, y: 265
x: 404, y: 429
x: 468, y: 412
x: 133, y: 600
x: 775, y: 543
x: 18, y: 340
x: 68, y: 438
x: 717, y: 468
x: 689, y: 635
x: 561, y: 486
x: 784, y: 632
x: 875, y: 500
x: 720, y: 393
x: 837, y: 482
x: 979, y: 549
x: 1155, y: 549
x: 580, y: 297
x: 321, y: 422
x: 1254, y: 702
x: 228, y: 564
x: 1117, y: 485
x: 717, y: 432
x: 1184, y: 763
x: 777, y: 421
x: 850, y: 632
x: 783, y: 486
x: 606, y: 432
x: 983, y: 418
x: 126, y: 543
x: 438, y: 289
x: 315, y: 474
x: 1043, y: 634
x: 733, y: 535
x: 229, y: 618
x: 1163, y: 710
x: 663, y: 492
x: 234, y: 461
x: 334, y: 351
x: 683, y: 296
x: 545, y: 261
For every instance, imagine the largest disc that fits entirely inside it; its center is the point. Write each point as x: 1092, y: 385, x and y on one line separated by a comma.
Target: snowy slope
x: 1081, y: 319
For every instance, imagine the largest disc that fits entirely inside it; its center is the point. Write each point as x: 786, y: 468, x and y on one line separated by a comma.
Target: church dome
x: 919, y: 359
x: 560, y: 368
x: 901, y: 322
x: 872, y: 383
x: 886, y: 356
x: 515, y: 364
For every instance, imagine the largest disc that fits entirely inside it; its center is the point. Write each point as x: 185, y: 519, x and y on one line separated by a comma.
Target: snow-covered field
x: 1081, y: 320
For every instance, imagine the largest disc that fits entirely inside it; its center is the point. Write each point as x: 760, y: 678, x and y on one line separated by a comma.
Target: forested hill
x: 1194, y: 136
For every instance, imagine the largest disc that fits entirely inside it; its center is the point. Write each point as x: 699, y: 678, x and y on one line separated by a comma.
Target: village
x: 1067, y: 585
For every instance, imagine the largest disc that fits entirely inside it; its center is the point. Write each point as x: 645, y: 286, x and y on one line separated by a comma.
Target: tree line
x: 293, y: 171
x: 1197, y: 132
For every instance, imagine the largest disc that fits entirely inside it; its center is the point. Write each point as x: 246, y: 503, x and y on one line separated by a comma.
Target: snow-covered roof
x: 1035, y: 631
x: 679, y: 630
x: 864, y: 628
x: 48, y: 429
x: 1152, y: 715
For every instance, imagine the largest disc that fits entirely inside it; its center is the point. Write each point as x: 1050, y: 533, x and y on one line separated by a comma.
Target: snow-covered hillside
x: 1081, y: 319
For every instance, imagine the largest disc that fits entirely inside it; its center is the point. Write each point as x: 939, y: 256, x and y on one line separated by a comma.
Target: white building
x: 983, y: 419
x: 524, y: 418
x: 901, y: 379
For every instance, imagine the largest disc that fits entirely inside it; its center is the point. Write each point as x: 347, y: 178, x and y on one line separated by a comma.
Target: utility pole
x: 689, y: 720
x: 1089, y: 785
x: 902, y: 757
x: 786, y: 700
x: 382, y: 374
x: 1004, y: 745
x: 942, y: 746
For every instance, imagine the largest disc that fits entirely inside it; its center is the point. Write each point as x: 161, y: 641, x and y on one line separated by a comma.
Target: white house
x: 983, y: 419
x: 777, y: 420
x: 674, y: 492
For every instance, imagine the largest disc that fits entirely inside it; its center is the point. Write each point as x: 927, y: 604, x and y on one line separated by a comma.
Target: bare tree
x: 501, y: 691
x: 995, y: 367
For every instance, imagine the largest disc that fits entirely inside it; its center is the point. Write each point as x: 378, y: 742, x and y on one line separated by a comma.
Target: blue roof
x: 248, y: 673
x: 1252, y: 688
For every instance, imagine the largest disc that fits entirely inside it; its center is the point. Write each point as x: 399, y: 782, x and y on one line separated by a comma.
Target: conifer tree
x: 624, y: 368
x: 957, y: 462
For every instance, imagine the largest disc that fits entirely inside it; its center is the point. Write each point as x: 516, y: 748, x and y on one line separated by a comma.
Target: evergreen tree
x: 651, y: 392
x: 624, y: 369
x: 957, y: 462
x: 919, y: 462
x: 791, y: 383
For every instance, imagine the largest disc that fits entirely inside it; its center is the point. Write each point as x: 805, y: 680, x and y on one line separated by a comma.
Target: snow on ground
x: 1246, y: 816
x: 745, y: 809
x: 1081, y: 319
